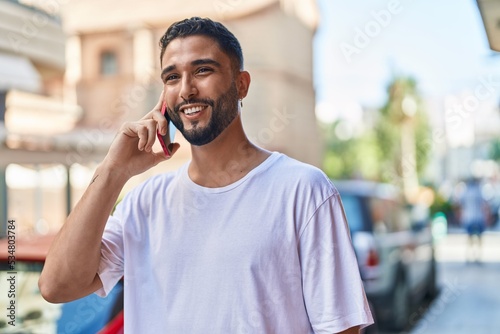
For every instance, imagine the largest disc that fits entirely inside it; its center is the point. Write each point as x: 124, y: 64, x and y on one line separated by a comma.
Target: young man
x: 473, y: 217
x: 239, y: 240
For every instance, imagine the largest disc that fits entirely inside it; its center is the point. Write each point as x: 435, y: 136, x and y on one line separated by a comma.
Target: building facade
x: 106, y: 70
x: 115, y: 62
x: 34, y: 116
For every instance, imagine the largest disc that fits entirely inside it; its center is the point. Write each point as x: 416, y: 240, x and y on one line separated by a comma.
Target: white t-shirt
x: 270, y: 253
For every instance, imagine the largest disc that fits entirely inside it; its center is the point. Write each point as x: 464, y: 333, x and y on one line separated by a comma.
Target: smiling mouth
x: 193, y: 110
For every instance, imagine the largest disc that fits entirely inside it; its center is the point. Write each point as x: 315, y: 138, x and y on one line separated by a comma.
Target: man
x: 239, y: 240
x: 473, y: 217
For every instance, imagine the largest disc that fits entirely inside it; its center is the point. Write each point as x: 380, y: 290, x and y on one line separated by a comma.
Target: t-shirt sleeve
x: 333, y: 291
x: 111, y: 265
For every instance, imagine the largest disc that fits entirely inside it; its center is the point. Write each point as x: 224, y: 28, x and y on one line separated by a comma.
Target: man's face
x: 200, y: 89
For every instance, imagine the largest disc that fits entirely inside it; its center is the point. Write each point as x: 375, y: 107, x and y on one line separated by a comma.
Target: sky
x: 360, y: 45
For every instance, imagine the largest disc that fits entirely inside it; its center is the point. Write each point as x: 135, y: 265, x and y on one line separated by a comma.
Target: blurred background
x: 395, y: 94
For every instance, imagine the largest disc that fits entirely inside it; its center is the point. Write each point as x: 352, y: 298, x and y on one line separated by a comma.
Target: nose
x: 188, y: 88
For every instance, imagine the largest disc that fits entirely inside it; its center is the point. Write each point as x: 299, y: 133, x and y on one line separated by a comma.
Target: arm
x: 332, y: 286
x: 70, y: 270
x: 352, y: 330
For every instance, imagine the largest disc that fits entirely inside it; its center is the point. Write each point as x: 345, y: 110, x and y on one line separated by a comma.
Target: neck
x: 226, y: 159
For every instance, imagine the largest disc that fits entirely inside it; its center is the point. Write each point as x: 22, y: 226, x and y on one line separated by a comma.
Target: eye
x: 170, y: 77
x: 204, y: 70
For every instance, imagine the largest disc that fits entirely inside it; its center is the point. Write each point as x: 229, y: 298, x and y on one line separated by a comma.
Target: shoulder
x: 305, y: 186
x: 300, y: 174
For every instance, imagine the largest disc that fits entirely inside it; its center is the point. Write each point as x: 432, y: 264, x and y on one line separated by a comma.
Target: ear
x: 243, y: 83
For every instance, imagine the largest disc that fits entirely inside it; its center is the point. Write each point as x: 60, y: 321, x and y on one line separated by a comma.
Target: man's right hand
x: 131, y: 152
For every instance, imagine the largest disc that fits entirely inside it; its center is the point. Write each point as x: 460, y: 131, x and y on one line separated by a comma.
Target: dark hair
x: 206, y: 27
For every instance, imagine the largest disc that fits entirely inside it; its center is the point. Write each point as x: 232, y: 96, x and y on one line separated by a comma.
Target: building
x: 115, y: 61
x: 35, y: 117
x: 110, y: 73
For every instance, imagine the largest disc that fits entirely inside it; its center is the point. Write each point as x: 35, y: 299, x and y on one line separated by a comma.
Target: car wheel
x: 432, y: 289
x: 400, y: 305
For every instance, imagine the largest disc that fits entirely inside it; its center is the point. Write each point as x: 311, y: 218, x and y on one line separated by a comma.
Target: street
x: 469, y: 297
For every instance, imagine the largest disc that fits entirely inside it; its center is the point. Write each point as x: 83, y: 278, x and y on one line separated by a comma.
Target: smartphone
x: 167, y: 140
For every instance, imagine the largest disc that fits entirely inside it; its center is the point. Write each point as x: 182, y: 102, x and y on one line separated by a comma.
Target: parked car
x: 32, y: 314
x: 394, y: 248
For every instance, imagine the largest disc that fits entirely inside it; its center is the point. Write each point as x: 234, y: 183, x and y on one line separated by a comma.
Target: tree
x: 379, y: 152
x: 354, y: 157
x: 402, y: 131
x: 494, y: 152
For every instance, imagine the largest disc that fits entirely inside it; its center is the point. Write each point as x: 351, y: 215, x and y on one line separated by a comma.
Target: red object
x: 372, y: 260
x: 29, y: 249
x: 115, y: 326
x: 164, y: 146
x: 35, y: 249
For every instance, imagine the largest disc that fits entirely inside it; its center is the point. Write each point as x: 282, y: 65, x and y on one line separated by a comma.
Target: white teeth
x: 189, y: 111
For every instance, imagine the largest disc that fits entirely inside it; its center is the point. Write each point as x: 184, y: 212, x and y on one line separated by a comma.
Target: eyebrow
x: 205, y: 61
x: 197, y: 62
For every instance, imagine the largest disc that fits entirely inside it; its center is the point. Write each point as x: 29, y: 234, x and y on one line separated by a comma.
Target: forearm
x: 73, y: 260
x: 352, y: 330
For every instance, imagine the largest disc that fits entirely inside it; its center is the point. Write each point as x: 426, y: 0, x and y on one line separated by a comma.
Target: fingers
x: 147, y: 135
x: 146, y: 128
x: 161, y: 122
x: 144, y: 131
x: 160, y: 156
x: 172, y: 147
x: 160, y: 101
x: 157, y: 115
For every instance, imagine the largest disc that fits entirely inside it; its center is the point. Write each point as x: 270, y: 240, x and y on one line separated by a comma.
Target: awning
x: 77, y: 146
x: 17, y: 72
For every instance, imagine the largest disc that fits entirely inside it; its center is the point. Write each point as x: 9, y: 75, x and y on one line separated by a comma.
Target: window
x: 388, y: 216
x: 353, y: 212
x: 109, y: 63
x: 382, y: 212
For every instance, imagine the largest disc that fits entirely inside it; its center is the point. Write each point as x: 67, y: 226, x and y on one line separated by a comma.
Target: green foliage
x: 422, y: 141
x: 494, y: 153
x: 120, y: 198
x: 441, y: 204
x: 377, y: 152
x: 352, y: 158
x: 390, y: 126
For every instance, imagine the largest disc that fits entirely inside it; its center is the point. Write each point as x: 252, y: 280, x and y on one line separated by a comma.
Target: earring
x: 241, y: 103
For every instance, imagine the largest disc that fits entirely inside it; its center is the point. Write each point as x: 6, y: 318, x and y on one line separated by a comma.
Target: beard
x: 224, y: 111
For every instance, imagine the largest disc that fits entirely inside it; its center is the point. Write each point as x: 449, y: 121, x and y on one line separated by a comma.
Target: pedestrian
x: 473, y: 217
x: 238, y: 240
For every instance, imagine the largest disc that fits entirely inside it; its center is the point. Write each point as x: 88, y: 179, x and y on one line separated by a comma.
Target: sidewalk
x: 469, y: 298
x: 453, y: 248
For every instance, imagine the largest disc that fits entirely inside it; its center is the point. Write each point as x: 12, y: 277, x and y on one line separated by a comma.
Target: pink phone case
x: 166, y: 145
